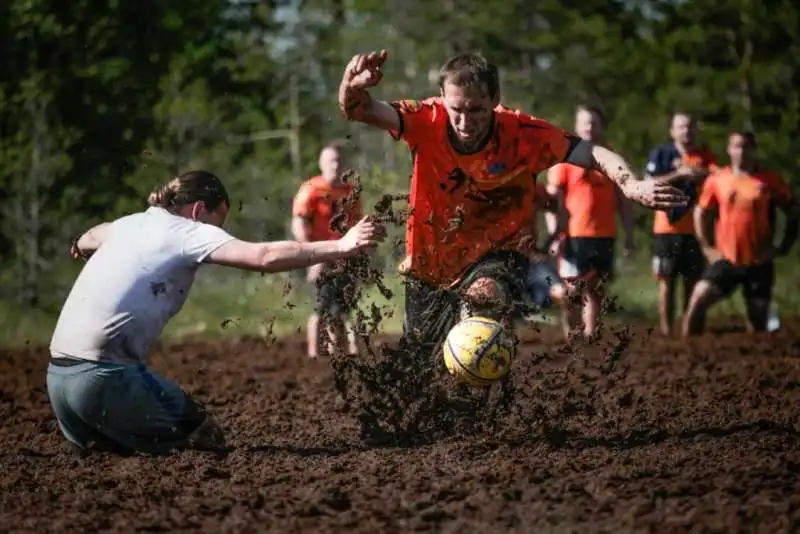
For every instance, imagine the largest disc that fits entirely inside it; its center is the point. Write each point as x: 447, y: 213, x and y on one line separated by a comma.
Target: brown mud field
x: 633, y: 434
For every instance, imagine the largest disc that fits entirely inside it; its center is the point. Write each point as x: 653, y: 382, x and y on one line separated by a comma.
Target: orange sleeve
x: 548, y: 144
x: 780, y: 190
x: 708, y: 195
x: 415, y: 118
x: 303, y: 204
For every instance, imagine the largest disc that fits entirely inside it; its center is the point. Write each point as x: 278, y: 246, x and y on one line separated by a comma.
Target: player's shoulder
x: 311, y: 185
x: 522, y: 120
x: 412, y: 105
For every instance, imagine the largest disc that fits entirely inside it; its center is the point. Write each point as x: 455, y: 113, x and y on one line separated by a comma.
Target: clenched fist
x: 364, y: 70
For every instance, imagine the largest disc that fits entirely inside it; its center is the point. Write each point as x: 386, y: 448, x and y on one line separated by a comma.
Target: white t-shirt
x: 132, y: 286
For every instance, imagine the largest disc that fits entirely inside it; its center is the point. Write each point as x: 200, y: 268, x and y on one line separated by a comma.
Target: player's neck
x: 684, y: 148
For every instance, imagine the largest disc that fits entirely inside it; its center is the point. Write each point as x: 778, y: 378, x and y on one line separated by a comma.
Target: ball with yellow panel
x: 478, y: 351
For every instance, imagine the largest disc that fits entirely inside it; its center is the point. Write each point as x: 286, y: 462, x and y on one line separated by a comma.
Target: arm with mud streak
x: 355, y: 103
x: 651, y: 194
x: 278, y: 256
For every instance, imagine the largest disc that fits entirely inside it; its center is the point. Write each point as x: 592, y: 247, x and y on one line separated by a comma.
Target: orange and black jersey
x: 464, y: 206
x: 746, y: 205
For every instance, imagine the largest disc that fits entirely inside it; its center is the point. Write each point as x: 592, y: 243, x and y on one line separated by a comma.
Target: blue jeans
x: 120, y: 407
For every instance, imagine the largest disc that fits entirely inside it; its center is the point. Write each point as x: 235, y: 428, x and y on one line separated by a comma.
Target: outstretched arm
x: 355, y: 103
x: 280, y: 256
x: 654, y: 195
x: 89, y: 242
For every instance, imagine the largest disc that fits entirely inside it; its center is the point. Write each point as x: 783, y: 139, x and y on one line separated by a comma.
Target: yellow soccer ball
x: 478, y: 351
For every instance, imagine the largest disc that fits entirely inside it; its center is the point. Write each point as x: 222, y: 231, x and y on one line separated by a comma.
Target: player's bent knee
x: 487, y: 292
x: 703, y: 294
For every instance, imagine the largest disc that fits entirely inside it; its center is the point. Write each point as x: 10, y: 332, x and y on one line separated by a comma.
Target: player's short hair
x: 466, y: 70
x: 189, y: 187
x: 591, y: 109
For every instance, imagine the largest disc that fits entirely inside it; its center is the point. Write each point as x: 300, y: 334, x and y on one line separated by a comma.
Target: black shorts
x: 335, y: 293
x: 430, y: 312
x: 582, y: 256
x: 756, y: 280
x: 677, y: 255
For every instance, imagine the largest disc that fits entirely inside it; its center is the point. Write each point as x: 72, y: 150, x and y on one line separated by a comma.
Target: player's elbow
x: 244, y: 255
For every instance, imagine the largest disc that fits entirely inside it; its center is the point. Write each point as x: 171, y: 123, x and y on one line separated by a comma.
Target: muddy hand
x: 366, y: 234
x: 655, y: 195
x: 364, y: 70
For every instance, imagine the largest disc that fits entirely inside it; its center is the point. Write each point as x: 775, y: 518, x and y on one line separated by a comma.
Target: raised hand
x: 364, y: 235
x: 364, y: 70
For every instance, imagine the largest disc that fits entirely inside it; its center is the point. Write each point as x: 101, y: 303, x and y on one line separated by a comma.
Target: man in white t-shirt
x: 138, y: 275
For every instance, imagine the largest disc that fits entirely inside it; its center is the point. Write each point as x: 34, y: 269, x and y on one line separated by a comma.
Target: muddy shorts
x: 582, y: 256
x: 120, y: 408
x: 430, y: 312
x: 676, y: 255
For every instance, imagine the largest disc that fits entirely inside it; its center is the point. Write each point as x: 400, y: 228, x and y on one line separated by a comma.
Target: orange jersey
x: 319, y: 201
x: 465, y: 206
x: 667, y: 159
x: 590, y: 198
x: 744, y: 231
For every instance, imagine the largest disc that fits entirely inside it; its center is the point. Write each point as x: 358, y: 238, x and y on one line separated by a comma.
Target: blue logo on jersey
x: 496, y: 168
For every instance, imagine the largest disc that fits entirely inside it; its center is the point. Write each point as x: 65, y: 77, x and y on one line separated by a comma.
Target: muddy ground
x: 635, y: 434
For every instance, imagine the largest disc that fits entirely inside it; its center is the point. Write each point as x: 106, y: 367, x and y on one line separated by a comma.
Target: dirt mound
x: 633, y: 434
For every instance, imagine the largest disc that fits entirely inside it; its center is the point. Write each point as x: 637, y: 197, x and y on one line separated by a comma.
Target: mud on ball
x: 478, y: 351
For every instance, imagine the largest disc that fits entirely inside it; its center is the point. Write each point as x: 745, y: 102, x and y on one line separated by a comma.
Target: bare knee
x: 703, y: 294
x: 487, y: 292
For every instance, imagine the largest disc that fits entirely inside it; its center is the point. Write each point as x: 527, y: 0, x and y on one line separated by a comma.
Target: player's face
x: 588, y: 125
x: 740, y: 151
x: 683, y: 129
x: 470, y: 112
x: 330, y: 163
